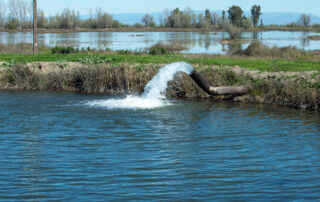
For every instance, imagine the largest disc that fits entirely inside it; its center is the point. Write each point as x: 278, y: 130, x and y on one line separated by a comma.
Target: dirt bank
x: 295, y: 89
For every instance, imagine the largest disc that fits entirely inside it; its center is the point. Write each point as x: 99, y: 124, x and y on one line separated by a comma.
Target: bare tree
x: 161, y: 21
x: 147, y: 20
x: 42, y: 20
x: 194, y: 20
x: 104, y: 20
x: 305, y: 20
x: 202, y: 23
x: 22, y: 11
x: 3, y: 14
x: 12, y: 6
x: 35, y: 26
x: 215, y: 17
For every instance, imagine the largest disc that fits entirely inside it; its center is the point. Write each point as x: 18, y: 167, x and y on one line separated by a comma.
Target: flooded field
x: 212, y: 42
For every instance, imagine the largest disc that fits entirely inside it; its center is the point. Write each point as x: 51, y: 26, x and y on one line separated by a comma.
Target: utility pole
x: 34, y: 26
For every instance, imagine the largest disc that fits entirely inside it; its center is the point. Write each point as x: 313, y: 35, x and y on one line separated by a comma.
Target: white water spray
x: 153, y: 95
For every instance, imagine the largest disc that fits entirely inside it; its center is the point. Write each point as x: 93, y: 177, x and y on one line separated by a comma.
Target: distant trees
x: 207, y: 15
x: 68, y: 19
x: 255, y: 14
x: 202, y: 21
x: 19, y: 14
x: 305, y: 20
x: 42, y: 21
x: 215, y: 17
x: 186, y: 19
x: 147, y: 20
x: 177, y: 19
x: 104, y: 20
x: 20, y: 11
x: 246, y: 23
x: 224, y: 15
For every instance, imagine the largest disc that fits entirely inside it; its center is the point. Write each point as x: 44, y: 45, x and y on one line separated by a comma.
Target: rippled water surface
x: 54, y: 146
x: 194, y: 42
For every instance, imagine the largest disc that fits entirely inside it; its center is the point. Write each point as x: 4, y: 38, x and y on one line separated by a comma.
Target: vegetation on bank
x: 296, y: 90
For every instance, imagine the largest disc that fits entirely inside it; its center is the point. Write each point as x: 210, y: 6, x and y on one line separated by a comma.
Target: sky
x: 51, y: 7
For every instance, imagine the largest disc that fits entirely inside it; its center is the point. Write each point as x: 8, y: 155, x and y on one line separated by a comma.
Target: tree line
x: 188, y: 19
x: 17, y: 14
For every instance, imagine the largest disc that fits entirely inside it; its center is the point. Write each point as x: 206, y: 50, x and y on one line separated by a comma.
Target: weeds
x: 61, y: 63
x: 10, y: 63
x: 92, y: 60
x: 140, y: 67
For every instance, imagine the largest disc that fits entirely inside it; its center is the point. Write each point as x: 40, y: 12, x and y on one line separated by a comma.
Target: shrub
x: 257, y: 49
x: 138, y: 25
x: 12, y: 23
x: 162, y: 49
x: 63, y: 50
x: 233, y: 31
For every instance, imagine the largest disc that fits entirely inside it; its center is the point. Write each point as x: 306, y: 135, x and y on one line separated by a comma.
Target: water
x: 53, y: 147
x: 194, y: 42
x: 154, y: 92
x: 65, y: 146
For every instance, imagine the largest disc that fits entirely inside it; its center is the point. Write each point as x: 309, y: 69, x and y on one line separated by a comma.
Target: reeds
x: 314, y: 37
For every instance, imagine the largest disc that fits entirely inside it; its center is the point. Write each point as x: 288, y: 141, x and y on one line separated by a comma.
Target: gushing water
x: 153, y: 95
x: 155, y: 88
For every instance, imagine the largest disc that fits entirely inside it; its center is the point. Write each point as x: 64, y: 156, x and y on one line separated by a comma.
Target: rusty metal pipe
x: 224, y: 90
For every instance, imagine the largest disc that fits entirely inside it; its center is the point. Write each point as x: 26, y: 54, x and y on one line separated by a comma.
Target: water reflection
x: 234, y: 48
x: 255, y: 36
x: 134, y: 41
x: 305, y: 42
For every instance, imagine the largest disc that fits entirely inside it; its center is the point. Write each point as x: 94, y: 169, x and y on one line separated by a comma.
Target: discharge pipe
x: 224, y: 90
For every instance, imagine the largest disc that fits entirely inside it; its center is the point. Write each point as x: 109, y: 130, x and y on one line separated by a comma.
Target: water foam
x: 153, y: 96
x: 130, y: 102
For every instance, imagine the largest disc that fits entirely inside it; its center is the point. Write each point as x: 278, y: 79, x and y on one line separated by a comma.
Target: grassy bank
x: 270, y: 65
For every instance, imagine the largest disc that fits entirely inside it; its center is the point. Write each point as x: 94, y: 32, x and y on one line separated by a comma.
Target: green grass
x: 249, y: 63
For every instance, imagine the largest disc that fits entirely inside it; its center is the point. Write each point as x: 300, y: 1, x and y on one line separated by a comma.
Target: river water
x: 55, y: 146
x: 194, y: 42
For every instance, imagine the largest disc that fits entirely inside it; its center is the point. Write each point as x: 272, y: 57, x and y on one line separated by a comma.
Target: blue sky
x: 143, y: 6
